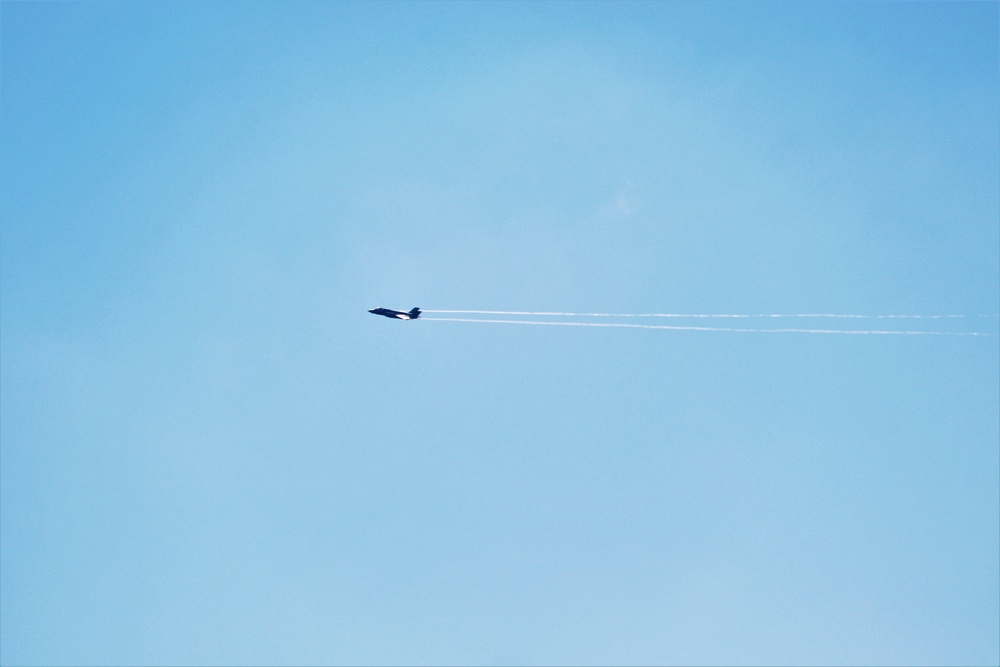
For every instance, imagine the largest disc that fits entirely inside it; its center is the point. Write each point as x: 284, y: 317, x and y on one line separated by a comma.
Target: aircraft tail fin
x: 415, y: 313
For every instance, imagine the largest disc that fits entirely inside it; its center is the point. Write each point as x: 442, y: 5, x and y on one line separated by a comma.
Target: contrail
x: 866, y: 332
x: 702, y: 315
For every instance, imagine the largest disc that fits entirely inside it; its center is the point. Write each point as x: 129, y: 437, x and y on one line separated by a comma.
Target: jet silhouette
x: 398, y: 314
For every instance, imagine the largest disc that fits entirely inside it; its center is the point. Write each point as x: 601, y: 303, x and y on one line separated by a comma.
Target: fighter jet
x: 398, y: 314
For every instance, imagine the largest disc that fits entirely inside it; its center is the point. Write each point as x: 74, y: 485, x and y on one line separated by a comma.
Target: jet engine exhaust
x: 673, y: 327
x: 720, y: 316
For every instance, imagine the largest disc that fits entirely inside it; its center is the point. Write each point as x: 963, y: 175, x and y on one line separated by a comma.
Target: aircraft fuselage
x: 396, y: 314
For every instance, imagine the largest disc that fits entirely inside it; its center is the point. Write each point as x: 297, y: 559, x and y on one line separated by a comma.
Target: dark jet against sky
x: 398, y: 314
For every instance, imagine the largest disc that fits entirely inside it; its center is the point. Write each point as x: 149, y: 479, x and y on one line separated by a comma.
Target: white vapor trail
x: 701, y: 315
x: 696, y: 328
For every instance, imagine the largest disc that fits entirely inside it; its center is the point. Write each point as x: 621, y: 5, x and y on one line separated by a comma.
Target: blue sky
x: 211, y: 454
